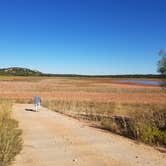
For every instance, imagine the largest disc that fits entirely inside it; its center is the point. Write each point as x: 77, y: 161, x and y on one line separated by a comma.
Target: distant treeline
x: 109, y: 76
x: 17, y: 71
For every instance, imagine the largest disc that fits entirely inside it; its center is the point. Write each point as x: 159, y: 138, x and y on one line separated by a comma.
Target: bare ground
x: 53, y: 139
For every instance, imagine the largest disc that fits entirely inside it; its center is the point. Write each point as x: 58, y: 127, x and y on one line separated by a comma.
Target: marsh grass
x: 21, y: 78
x: 123, y: 109
x: 150, y: 127
x: 90, y: 89
x: 10, y: 135
x: 86, y: 109
x: 143, y: 122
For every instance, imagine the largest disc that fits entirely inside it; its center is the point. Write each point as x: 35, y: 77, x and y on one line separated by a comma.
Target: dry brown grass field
x: 79, y: 89
x: 128, y: 109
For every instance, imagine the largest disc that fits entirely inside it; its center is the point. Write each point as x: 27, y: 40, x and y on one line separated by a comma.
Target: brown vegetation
x: 82, y: 89
x: 131, y: 110
x: 10, y: 135
x: 144, y: 122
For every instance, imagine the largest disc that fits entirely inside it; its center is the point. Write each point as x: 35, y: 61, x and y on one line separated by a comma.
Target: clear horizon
x: 76, y: 73
x: 94, y: 37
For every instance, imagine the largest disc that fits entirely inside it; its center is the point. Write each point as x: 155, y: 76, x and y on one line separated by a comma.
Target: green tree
x: 162, y: 62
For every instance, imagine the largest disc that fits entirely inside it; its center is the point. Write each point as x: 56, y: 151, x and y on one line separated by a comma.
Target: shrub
x: 150, y: 127
x: 10, y: 135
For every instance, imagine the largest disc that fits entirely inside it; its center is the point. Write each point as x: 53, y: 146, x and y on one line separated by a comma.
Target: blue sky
x: 82, y: 36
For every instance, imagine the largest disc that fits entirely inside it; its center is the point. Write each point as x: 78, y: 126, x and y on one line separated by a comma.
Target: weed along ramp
x: 51, y: 139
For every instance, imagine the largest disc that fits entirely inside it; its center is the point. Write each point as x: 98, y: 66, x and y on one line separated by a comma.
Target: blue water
x: 143, y: 82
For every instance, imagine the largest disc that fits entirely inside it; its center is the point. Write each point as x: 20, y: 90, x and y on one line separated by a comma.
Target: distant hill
x: 18, y: 71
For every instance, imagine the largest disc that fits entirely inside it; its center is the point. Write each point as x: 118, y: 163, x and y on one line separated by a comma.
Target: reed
x: 143, y: 122
x: 10, y: 135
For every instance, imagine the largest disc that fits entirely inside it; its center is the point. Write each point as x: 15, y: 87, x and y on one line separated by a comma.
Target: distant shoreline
x: 19, y: 71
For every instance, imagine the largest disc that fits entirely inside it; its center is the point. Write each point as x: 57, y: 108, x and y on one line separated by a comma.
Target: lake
x: 143, y: 82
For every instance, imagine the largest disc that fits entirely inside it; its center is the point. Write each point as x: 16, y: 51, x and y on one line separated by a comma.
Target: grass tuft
x: 10, y: 135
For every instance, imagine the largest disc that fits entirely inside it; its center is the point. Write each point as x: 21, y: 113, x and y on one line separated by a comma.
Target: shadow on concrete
x: 30, y: 110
